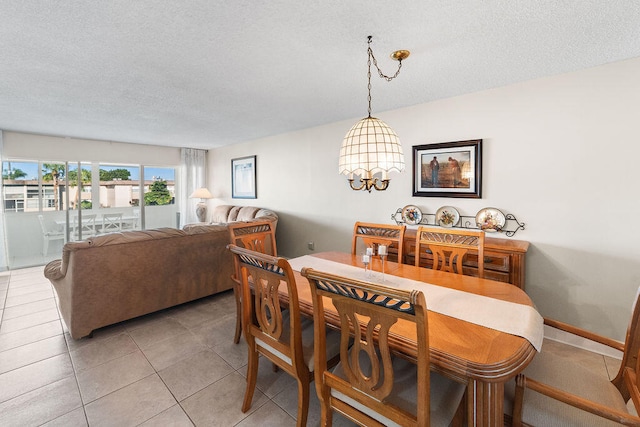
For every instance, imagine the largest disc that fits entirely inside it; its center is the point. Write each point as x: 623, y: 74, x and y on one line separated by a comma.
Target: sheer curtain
x: 3, y: 235
x: 193, y: 176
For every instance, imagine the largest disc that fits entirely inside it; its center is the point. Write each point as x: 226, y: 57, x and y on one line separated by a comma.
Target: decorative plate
x: 411, y: 215
x: 447, y: 216
x: 490, y: 219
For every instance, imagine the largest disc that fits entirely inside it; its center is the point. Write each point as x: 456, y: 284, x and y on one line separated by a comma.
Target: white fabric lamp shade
x: 201, y: 193
x: 369, y: 147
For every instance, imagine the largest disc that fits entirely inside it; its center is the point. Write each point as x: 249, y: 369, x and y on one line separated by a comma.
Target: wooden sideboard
x: 504, y: 259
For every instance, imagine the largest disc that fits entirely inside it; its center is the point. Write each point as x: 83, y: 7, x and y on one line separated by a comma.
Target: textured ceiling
x: 204, y: 73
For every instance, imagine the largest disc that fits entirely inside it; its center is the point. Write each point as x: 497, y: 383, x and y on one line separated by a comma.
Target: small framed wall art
x: 448, y: 169
x: 243, y: 178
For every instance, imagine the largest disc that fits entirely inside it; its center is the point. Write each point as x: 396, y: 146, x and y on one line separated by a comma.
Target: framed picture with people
x: 448, y: 169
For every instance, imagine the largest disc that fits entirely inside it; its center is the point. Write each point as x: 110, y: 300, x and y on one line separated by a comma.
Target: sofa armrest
x: 53, y: 270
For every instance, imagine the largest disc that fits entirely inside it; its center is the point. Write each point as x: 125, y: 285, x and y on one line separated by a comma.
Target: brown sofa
x: 115, y: 277
x: 107, y: 279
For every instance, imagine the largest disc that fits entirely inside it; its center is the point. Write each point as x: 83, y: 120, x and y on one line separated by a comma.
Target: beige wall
x: 559, y: 153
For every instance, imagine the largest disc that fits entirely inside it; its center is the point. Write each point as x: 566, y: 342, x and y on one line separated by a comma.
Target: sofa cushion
x: 229, y: 213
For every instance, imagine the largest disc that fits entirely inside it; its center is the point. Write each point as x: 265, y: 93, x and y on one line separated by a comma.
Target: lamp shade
x: 201, y: 193
x: 370, y: 146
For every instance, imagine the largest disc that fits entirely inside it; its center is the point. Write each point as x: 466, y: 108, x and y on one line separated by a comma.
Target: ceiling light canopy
x: 371, y: 146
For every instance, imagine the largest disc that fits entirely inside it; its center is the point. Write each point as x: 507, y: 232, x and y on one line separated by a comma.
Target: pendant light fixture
x: 371, y: 146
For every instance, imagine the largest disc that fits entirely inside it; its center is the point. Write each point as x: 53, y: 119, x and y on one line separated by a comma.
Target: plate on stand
x: 411, y: 215
x: 447, y: 216
x: 490, y: 219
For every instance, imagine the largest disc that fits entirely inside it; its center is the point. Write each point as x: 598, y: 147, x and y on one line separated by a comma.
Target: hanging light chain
x: 375, y: 63
x: 380, y: 73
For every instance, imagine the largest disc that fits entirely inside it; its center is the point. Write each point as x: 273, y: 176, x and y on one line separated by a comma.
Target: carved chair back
x: 369, y: 311
x: 271, y: 328
x: 258, y: 236
x: 373, y: 235
x: 449, y: 247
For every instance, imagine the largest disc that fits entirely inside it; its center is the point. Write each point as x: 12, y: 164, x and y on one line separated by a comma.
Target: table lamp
x: 201, y: 208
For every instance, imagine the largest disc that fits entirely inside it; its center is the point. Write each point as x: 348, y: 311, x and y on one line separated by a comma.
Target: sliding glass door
x: 48, y: 203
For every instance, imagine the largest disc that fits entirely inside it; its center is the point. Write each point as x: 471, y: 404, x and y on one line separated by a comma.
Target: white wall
x: 559, y: 153
x: 28, y: 146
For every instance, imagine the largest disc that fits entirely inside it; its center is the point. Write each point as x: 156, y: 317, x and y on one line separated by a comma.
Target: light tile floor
x: 176, y: 367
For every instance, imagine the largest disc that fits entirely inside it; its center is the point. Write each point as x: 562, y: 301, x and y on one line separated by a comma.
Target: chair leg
x: 326, y: 415
x: 252, y: 377
x: 459, y: 417
x: 518, y: 400
x: 303, y: 401
x: 236, y: 293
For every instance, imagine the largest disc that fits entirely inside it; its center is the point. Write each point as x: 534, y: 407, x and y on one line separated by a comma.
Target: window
x: 53, y: 185
x: 159, y: 197
x: 37, y: 194
x: 119, y: 186
x: 20, y: 186
x: 159, y: 186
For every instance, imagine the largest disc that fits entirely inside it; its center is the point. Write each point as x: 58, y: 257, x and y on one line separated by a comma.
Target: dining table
x: 481, y: 332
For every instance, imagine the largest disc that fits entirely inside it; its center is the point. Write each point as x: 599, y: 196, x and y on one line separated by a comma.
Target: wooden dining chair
x: 449, y: 247
x: 369, y: 385
x: 373, y: 235
x: 257, y: 236
x: 556, y: 391
x: 276, y: 330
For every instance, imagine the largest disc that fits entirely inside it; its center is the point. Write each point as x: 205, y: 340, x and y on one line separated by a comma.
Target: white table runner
x: 516, y: 319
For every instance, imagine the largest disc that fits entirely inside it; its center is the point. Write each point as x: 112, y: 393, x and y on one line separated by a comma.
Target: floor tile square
x: 194, y: 373
x: 159, y: 329
x: 29, y: 308
x: 42, y: 404
x: 174, y: 417
x: 30, y: 353
x: 29, y: 335
x: 75, y: 418
x: 29, y: 320
x: 30, y: 377
x: 29, y: 289
x: 268, y: 415
x: 131, y: 405
x: 102, y: 350
x: 172, y: 350
x: 216, y: 332
x: 31, y: 297
x: 113, y: 375
x: 271, y: 382
x: 220, y: 403
x: 234, y: 354
x: 190, y: 315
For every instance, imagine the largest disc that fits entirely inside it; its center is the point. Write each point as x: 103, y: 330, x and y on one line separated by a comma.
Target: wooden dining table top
x: 458, y: 348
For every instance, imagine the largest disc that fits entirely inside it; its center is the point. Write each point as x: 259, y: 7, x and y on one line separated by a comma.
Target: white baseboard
x: 576, y: 341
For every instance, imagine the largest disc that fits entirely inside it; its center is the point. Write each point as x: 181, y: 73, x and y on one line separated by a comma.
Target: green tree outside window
x: 158, y: 194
